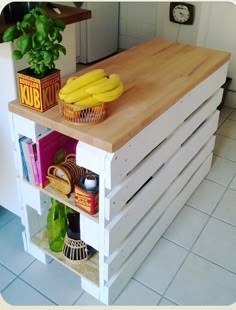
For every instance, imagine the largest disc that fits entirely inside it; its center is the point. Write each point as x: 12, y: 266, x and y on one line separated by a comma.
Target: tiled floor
x: 194, y: 263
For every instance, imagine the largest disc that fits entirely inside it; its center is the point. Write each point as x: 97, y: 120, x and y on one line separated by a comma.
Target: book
x: 33, y: 157
x: 25, y: 147
x: 24, y: 167
x: 48, y: 145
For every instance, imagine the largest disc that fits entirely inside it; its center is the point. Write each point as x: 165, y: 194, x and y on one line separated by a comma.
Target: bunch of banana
x: 91, y: 89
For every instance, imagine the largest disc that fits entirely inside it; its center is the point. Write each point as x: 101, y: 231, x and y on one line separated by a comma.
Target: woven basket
x: 63, y: 176
x: 93, y: 115
x: 75, y: 250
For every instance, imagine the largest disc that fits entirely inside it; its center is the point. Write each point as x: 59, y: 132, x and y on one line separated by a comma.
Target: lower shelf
x: 86, y: 269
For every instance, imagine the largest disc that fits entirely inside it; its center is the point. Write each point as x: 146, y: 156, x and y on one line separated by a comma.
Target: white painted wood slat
x: 120, y: 163
x: 123, y: 223
x: 117, y: 198
x: 114, y: 262
x: 28, y: 128
x: 89, y: 231
x: 116, y: 284
x: 33, y: 197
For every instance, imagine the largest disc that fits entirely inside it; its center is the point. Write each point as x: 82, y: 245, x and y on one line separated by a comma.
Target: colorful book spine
x: 33, y: 158
x: 25, y: 143
x: 24, y: 167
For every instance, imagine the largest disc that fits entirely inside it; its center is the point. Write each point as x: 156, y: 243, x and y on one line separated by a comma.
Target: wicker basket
x: 89, y: 116
x: 75, y: 250
x: 64, y: 175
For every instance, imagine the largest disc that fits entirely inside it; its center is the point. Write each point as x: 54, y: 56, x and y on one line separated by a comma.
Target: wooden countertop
x: 68, y: 14
x: 156, y: 74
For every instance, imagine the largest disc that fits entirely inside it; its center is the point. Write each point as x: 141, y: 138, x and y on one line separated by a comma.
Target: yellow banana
x: 80, y: 93
x: 82, y: 81
x: 88, y: 102
x: 76, y: 95
x: 61, y: 96
x: 108, y: 84
x: 70, y: 79
x: 110, y: 95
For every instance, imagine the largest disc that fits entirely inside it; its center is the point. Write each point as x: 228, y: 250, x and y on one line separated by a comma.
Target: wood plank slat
x: 117, y: 283
x: 114, y: 262
x: 118, y: 229
x: 118, y: 196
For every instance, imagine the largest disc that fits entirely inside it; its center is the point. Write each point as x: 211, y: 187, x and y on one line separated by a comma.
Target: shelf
x: 68, y: 14
x: 49, y: 190
x: 86, y: 269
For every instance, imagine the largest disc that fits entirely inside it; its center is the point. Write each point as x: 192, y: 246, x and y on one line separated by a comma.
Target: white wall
x: 176, y: 32
x: 137, y: 22
x: 214, y: 27
x: 219, y: 33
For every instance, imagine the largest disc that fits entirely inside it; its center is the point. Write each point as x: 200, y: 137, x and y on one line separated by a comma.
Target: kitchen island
x: 151, y: 153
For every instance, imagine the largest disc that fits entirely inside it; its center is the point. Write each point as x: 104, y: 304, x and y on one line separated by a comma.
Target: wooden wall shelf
x: 68, y: 14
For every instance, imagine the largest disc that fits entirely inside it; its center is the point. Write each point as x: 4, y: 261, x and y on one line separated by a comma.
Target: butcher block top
x: 156, y: 74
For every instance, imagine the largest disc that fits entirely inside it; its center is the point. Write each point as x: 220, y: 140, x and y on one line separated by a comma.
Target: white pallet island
x: 148, y: 167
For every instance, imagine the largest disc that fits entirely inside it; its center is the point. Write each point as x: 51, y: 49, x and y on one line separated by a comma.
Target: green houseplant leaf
x: 38, y: 37
x: 10, y: 34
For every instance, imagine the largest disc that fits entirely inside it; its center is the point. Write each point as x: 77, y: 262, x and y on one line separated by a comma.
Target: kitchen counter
x: 155, y: 74
x: 68, y: 14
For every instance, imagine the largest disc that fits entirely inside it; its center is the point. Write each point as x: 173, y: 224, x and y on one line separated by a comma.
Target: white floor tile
x: 226, y: 210
x: 135, y: 294
x: 12, y: 254
x: 206, y: 196
x: 228, y: 129
x: 5, y: 216
x: 224, y: 113
x: 161, y: 265
x: 200, y: 282
x: 58, y: 283
x: 5, y: 277
x: 222, y: 171
x: 233, y: 184
x: 166, y: 302
x: 21, y: 294
x: 87, y: 300
x: 186, y: 227
x: 216, y: 243
x: 232, y: 115
x: 225, y: 147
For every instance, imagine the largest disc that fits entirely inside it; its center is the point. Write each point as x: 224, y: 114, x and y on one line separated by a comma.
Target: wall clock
x: 181, y: 13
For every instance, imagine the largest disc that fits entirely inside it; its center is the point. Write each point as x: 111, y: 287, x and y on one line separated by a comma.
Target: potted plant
x: 38, y: 36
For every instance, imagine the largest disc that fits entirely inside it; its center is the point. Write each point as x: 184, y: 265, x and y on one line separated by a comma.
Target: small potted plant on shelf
x: 38, y: 36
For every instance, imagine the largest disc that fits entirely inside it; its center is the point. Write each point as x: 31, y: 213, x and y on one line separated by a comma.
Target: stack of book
x: 36, y: 157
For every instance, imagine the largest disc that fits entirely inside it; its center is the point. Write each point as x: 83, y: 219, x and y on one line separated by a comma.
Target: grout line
x: 200, y: 233
x: 146, y: 286
x: 162, y: 297
x: 214, y: 263
x: 15, y: 274
x: 220, y: 134
x: 224, y: 158
x: 190, y: 250
x: 27, y: 266
x: 82, y: 293
x: 38, y: 291
x: 7, y: 222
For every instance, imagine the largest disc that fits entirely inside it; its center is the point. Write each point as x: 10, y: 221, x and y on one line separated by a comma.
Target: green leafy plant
x: 39, y: 37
